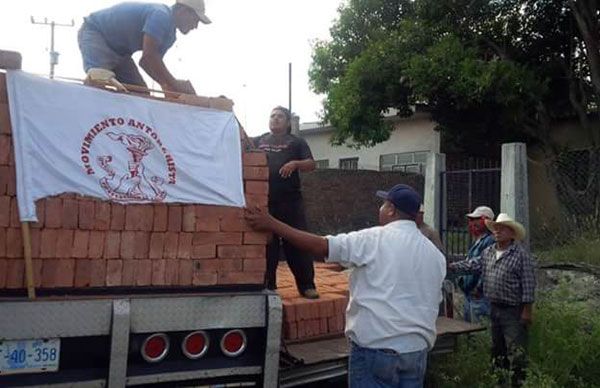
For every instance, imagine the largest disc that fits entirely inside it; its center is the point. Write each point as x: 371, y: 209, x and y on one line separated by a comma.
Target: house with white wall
x: 406, y: 150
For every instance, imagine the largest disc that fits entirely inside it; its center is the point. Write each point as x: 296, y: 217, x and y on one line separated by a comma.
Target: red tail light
x: 233, y: 343
x: 195, y: 344
x: 155, y: 347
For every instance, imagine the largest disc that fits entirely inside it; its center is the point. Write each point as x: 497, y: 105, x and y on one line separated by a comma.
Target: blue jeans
x: 386, y: 368
x: 96, y: 53
x: 476, y: 310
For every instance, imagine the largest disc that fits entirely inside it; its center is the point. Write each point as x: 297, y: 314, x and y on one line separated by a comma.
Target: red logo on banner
x: 126, y: 178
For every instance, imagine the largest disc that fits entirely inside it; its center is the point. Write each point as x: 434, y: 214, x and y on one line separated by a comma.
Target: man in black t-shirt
x: 287, y: 155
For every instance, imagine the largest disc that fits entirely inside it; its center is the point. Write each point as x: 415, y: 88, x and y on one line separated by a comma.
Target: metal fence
x: 565, y: 203
x: 466, y: 185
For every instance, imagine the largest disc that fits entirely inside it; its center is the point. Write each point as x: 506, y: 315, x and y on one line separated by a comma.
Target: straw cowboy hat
x: 504, y: 219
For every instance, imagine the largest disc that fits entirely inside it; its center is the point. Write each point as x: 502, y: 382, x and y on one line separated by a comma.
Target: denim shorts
x: 386, y: 368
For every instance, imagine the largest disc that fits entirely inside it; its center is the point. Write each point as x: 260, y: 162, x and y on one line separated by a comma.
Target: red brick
x: 65, y: 272
x: 141, y: 245
x: 129, y: 271
x: 5, y: 211
x: 254, y: 159
x: 189, y: 218
x: 171, y: 245
x: 185, y: 246
x: 208, y: 265
x: 302, y: 329
x: 15, y: 221
x: 127, y: 245
x: 36, y: 237
x: 230, y: 251
x: 175, y: 218
x: 161, y: 217
x: 87, y: 217
x: 38, y: 266
x: 64, y: 244
x: 340, y: 305
x: 241, y: 278
x: 158, y: 272
x: 172, y: 272
x: 48, y: 244
x: 49, y: 273
x: 185, y: 272
x: 143, y: 272
x: 101, y: 215
x: 256, y: 173
x: 5, y: 146
x: 114, y: 273
x: 326, y: 306
x: 53, y: 213
x: 40, y: 212
x: 83, y: 273
x: 157, y: 245
x: 258, y: 238
x: 206, y: 219
x: 335, y: 324
x: 204, y: 251
x: 2, y: 244
x: 4, y: 177
x: 289, y: 311
x: 15, y: 273
x: 97, y: 242
x: 70, y: 214
x: 3, y: 93
x: 204, y: 278
x: 147, y: 220
x: 257, y: 187
x: 11, y: 187
x: 5, y: 125
x: 117, y: 214
x: 255, y: 265
x: 14, y: 243
x: 98, y: 273
x: 255, y: 252
x: 290, y: 330
x: 260, y: 200
x: 80, y: 244
x: 222, y: 238
x: 234, y: 224
x: 139, y: 217
x: 112, y: 245
x: 231, y: 265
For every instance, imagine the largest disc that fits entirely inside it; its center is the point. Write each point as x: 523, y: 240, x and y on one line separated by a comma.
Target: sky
x: 244, y: 54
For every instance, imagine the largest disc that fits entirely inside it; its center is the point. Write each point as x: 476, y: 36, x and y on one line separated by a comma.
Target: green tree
x: 489, y: 70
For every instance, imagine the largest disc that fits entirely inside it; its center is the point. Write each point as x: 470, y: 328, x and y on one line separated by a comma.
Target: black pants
x: 509, y: 341
x: 300, y: 262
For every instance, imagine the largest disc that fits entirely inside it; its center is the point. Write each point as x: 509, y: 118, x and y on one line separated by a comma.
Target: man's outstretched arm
x: 261, y: 220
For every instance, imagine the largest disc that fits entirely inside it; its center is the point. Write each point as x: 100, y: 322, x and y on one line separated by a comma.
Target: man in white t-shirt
x: 395, y: 289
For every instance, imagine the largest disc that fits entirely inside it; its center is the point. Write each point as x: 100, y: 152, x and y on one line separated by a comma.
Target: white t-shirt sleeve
x: 354, y: 249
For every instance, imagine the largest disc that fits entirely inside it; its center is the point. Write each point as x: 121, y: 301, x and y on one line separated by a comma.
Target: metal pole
x: 290, y: 86
x: 53, y: 54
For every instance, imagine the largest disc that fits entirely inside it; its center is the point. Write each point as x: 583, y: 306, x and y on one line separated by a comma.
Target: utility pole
x: 53, y: 54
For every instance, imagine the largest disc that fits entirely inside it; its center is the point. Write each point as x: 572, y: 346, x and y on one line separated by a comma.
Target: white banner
x: 75, y: 139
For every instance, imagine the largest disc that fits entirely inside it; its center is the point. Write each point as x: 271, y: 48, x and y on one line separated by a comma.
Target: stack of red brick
x: 84, y: 242
x: 314, y: 318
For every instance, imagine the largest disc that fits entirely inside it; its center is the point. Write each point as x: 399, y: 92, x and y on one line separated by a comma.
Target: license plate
x: 29, y: 356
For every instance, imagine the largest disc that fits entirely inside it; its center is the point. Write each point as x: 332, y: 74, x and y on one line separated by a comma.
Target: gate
x: 465, y: 186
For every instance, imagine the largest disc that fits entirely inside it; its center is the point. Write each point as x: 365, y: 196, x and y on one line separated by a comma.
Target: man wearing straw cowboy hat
x: 508, y: 281
x: 109, y: 37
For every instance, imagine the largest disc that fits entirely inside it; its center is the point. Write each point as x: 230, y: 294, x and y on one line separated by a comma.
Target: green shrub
x: 564, y: 349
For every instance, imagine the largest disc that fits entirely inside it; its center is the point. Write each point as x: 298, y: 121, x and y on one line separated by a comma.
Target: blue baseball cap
x: 404, y: 198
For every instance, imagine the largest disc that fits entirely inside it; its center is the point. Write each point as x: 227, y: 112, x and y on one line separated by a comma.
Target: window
x: 322, y: 164
x: 407, y: 161
x: 349, y: 164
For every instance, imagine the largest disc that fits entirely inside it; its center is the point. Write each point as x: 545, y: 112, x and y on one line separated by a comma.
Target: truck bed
x: 309, y: 362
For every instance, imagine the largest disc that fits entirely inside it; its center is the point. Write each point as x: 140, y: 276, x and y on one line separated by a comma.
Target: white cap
x: 198, y: 6
x: 482, y: 211
x: 505, y: 219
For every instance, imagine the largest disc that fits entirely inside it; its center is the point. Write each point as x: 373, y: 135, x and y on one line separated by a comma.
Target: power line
x: 53, y: 54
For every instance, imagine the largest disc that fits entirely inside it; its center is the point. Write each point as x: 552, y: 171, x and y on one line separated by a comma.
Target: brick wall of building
x: 341, y: 201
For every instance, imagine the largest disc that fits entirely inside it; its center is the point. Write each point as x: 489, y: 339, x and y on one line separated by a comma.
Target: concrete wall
x: 412, y: 134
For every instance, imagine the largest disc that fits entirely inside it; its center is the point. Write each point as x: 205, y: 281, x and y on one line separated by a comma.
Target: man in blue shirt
x: 109, y: 37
